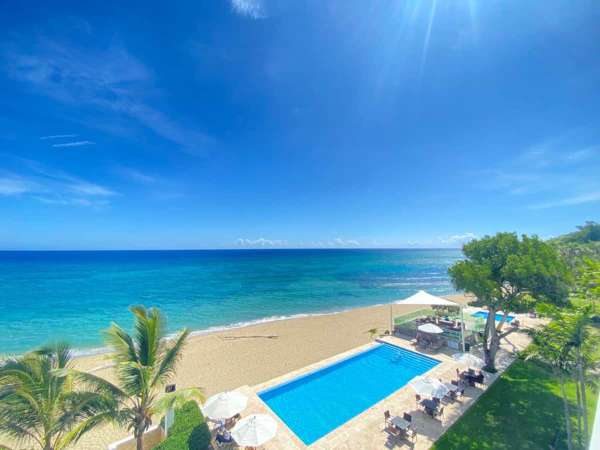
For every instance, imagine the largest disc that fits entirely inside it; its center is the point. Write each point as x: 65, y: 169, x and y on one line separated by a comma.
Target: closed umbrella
x: 428, y: 387
x: 430, y: 328
x: 225, y: 405
x: 469, y: 360
x: 254, y: 430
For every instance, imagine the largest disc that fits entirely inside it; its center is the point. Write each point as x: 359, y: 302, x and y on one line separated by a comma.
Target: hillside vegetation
x: 580, y: 244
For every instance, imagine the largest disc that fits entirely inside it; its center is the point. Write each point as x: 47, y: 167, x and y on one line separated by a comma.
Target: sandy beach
x: 254, y: 354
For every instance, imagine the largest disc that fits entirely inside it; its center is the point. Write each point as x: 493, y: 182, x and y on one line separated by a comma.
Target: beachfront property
x: 403, y: 390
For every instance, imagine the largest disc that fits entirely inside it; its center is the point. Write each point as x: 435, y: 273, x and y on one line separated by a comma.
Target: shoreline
x: 95, y: 351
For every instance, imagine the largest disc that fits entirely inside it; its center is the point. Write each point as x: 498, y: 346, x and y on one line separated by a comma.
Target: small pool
x: 484, y: 315
x: 314, y: 404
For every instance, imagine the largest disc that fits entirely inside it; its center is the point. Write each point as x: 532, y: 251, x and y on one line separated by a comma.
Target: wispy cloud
x: 53, y: 186
x: 553, y: 173
x: 13, y: 185
x: 58, y: 136
x: 249, y: 8
x: 74, y: 144
x: 591, y: 197
x: 135, y: 175
x: 111, y: 80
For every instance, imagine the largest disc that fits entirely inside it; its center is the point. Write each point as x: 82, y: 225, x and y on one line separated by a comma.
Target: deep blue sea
x: 72, y: 296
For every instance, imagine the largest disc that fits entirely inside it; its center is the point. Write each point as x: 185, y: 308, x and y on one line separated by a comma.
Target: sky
x: 273, y: 123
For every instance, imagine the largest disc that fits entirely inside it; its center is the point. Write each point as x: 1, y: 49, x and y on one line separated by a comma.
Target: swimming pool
x: 314, y: 404
x: 484, y: 315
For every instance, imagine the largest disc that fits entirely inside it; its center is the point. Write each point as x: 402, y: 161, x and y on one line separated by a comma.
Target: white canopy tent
x: 423, y: 298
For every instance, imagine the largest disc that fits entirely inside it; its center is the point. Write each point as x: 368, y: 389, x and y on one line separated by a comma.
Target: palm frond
x: 122, y: 344
x: 170, y: 358
x: 149, y: 326
x: 97, y: 384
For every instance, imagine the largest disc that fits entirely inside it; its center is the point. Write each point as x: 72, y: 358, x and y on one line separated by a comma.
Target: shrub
x: 189, y: 430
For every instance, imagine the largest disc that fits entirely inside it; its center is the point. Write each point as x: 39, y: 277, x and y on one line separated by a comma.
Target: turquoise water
x: 46, y: 296
x: 315, y: 404
x: 498, y: 318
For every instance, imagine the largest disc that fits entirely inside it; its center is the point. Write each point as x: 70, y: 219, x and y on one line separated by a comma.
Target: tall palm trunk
x: 581, y: 383
x: 567, y: 411
x: 139, y: 439
x: 579, y: 413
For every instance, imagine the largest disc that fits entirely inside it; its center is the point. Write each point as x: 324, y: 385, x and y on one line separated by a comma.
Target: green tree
x: 40, y: 406
x: 506, y: 273
x: 144, y: 363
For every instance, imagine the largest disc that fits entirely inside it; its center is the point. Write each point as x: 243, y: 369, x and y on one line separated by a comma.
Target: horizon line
x: 225, y: 249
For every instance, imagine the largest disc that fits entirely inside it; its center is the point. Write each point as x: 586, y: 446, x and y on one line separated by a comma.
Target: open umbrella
x: 430, y: 328
x: 224, y: 405
x: 428, y: 387
x: 254, y: 430
x: 469, y: 360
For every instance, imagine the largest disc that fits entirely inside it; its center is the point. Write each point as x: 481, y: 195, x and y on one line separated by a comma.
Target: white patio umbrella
x: 428, y: 387
x: 430, y: 328
x: 469, y: 360
x: 254, y: 430
x: 225, y: 405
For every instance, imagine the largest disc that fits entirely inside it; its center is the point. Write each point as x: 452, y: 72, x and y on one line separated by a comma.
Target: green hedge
x: 188, y: 432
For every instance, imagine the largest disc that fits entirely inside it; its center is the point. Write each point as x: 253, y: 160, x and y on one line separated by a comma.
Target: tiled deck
x: 365, y: 431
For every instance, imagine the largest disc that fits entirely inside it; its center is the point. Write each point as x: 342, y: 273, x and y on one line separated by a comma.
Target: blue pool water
x: 316, y: 403
x: 484, y: 315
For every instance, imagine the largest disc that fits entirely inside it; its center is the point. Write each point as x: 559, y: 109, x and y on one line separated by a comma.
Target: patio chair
x: 479, y: 379
x: 394, y: 431
x: 410, y: 430
x: 439, y: 412
x: 387, y: 417
x: 418, y: 400
x: 223, y: 438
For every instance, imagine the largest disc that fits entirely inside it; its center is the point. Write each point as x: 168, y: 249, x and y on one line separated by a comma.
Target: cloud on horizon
x: 458, y: 238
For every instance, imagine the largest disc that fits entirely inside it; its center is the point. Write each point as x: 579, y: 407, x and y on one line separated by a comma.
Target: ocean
x: 73, y: 295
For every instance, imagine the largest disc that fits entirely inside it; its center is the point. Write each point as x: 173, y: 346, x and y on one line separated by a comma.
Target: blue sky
x: 264, y: 123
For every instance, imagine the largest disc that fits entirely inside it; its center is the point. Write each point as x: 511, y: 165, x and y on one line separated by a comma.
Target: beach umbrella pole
x: 462, y: 328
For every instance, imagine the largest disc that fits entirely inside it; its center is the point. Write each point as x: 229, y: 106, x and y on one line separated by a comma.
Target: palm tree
x: 144, y: 363
x: 38, y: 403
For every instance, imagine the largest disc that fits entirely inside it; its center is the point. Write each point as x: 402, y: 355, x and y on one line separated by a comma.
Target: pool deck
x: 366, y: 430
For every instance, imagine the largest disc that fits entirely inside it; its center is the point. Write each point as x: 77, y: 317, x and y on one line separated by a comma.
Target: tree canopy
x: 510, y: 274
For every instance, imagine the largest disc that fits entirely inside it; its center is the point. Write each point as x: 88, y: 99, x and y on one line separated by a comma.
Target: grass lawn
x: 522, y: 410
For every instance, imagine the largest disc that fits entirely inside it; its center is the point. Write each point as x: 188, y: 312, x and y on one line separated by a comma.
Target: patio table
x: 400, y: 422
x: 451, y: 387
